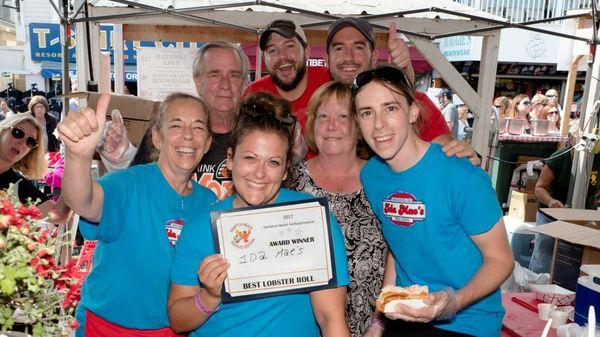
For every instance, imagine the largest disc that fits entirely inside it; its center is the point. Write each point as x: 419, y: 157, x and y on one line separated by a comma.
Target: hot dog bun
x: 393, y: 293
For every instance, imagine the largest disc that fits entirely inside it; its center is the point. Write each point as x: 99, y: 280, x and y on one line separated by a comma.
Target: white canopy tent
x: 420, y: 22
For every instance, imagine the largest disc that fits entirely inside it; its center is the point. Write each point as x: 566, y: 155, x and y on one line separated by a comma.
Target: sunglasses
x: 550, y: 96
x: 497, y: 106
x: 256, y: 112
x: 525, y: 102
x: 388, y: 74
x: 18, y: 133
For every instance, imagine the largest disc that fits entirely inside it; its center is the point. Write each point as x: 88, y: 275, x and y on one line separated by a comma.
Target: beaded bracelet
x: 201, y: 305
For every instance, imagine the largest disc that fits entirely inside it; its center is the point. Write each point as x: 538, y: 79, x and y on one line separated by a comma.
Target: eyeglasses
x: 388, y: 74
x: 18, y: 133
x: 256, y: 112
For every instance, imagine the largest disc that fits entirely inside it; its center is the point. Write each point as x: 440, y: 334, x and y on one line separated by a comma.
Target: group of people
x: 355, y: 132
x: 521, y: 107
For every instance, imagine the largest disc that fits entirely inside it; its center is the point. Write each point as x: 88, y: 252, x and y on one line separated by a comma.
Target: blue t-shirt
x: 427, y: 214
x: 282, y: 315
x: 142, y: 216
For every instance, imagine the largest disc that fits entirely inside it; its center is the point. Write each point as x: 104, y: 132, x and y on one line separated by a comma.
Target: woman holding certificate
x: 135, y: 214
x: 258, y: 158
x: 425, y: 201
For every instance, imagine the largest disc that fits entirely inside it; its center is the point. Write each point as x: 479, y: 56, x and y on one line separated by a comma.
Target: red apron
x: 96, y: 326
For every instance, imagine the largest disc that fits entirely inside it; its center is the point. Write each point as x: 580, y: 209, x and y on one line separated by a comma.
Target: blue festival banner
x: 45, y: 43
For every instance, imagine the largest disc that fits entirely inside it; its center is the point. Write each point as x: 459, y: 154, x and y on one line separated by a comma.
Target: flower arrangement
x: 34, y: 289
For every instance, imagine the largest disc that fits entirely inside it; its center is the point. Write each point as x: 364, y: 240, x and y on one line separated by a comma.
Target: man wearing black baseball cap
x: 286, y: 50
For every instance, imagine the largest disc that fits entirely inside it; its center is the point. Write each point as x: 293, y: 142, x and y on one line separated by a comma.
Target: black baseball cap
x: 360, y: 24
x: 285, y: 28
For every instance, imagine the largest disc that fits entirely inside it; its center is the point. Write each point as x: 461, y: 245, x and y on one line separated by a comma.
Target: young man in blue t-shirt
x: 439, y: 216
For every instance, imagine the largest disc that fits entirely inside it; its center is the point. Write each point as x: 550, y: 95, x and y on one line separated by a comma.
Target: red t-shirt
x: 317, y: 76
x: 435, y: 125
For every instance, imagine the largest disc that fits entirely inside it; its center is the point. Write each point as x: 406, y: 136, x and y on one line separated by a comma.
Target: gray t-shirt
x: 450, y: 112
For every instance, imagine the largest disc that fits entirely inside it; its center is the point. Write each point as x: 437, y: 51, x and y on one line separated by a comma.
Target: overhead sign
x: 46, y: 46
x: 516, y: 45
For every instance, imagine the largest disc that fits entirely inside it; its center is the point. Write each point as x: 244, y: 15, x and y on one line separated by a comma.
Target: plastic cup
x: 558, y: 318
x: 544, y: 310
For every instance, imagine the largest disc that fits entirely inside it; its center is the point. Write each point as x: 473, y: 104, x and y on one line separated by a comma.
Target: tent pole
x: 66, y: 41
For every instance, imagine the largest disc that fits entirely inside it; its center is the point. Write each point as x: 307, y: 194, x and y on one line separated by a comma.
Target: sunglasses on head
x: 388, y: 74
x: 256, y: 112
x: 19, y: 133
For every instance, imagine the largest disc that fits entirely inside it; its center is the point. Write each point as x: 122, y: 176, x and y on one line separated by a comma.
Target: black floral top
x: 365, y: 245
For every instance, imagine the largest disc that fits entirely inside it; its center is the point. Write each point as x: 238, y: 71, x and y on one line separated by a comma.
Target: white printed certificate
x: 275, y: 249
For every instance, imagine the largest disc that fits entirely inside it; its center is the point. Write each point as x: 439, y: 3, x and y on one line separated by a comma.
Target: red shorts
x: 96, y: 326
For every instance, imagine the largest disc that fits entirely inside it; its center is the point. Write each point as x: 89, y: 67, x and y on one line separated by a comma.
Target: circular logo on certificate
x: 242, y: 233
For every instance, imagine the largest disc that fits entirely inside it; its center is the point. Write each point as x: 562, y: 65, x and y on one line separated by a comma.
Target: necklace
x: 183, y: 194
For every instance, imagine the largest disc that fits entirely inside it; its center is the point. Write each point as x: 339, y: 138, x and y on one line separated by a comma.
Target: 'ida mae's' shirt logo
x: 403, y: 209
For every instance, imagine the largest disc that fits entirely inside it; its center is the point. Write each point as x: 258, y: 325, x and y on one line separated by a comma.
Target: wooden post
x: 104, y: 79
x: 482, y: 128
x: 569, y: 90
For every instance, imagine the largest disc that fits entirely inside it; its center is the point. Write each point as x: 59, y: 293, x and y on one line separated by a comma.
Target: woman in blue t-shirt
x: 258, y: 158
x: 439, y: 216
x: 136, y: 215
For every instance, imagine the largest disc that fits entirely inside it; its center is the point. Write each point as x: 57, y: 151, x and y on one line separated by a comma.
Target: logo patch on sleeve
x: 403, y: 209
x: 173, y: 228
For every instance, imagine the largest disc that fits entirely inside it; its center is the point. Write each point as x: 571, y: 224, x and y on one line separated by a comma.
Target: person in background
x: 435, y: 235
x: 519, y: 108
x: 449, y: 110
x: 552, y: 113
x: 333, y: 135
x: 502, y: 104
x: 538, y: 103
x: 38, y: 108
x: 5, y: 110
x: 56, y: 163
x: 551, y: 190
x: 552, y: 95
x: 136, y: 214
x: 463, y: 123
x: 22, y: 159
x: 259, y: 158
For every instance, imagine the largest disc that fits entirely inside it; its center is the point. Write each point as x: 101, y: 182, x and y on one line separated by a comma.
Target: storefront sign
x: 516, y: 45
x: 46, y: 46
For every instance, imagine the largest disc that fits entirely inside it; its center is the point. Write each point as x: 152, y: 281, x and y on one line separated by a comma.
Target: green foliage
x: 32, y: 286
